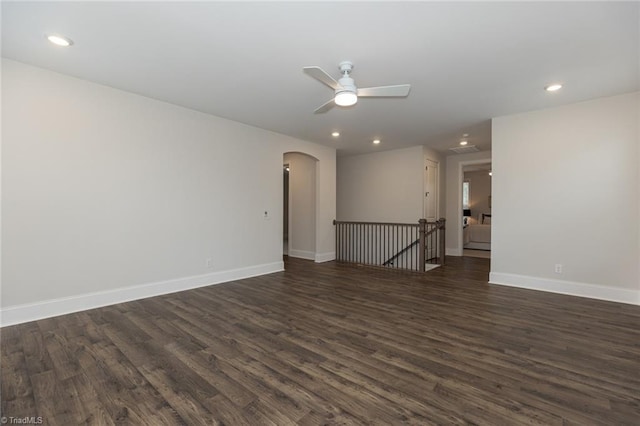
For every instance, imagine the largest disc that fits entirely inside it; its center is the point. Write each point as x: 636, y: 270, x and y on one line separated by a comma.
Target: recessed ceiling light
x: 376, y: 141
x: 60, y: 40
x: 553, y: 87
x: 335, y: 134
x: 463, y: 143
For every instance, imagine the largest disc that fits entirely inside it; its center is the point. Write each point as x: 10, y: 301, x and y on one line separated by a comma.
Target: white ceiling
x: 466, y: 62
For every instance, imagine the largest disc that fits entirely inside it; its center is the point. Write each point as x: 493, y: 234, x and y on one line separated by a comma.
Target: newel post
x: 442, y: 240
x: 422, y: 229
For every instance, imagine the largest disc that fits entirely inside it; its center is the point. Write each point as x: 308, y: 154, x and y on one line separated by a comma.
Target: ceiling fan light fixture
x: 346, y: 98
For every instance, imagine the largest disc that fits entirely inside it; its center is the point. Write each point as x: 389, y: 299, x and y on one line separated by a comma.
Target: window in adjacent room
x: 465, y: 195
x: 465, y: 203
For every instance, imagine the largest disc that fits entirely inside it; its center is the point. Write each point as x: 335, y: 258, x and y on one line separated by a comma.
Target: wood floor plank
x: 291, y: 381
x: 274, y: 398
x: 205, y: 364
x: 351, y: 397
x: 50, y: 404
x: 15, y: 387
x: 36, y: 357
x: 228, y: 412
x: 332, y: 344
x: 126, y: 395
x: 158, y: 361
x: 190, y: 409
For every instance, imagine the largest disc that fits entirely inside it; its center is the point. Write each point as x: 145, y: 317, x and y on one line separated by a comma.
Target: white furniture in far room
x: 478, y: 236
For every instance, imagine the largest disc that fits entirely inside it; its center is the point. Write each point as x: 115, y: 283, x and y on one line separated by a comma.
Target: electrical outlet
x: 209, y: 262
x: 558, y: 268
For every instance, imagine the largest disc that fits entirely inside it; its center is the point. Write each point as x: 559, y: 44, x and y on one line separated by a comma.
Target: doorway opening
x: 285, y: 209
x: 299, y: 205
x: 476, y: 210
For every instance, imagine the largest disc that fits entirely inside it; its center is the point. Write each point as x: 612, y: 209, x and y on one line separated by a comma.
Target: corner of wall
x: 325, y: 257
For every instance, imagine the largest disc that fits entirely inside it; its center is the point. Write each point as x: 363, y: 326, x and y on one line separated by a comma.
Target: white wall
x: 454, y: 197
x: 109, y: 196
x: 302, y: 205
x: 381, y: 187
x: 565, y: 191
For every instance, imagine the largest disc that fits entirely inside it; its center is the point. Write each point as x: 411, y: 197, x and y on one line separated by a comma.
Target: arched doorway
x: 299, y: 206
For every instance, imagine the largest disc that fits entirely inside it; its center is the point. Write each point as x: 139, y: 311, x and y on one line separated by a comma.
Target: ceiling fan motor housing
x: 345, y: 67
x: 348, y: 85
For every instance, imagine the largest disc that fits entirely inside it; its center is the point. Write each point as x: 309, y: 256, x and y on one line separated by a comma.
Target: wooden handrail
x: 400, y: 253
x: 335, y: 222
x: 432, y: 230
x: 437, y: 222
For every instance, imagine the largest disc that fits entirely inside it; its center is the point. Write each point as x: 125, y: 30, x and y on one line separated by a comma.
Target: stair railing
x: 391, y: 245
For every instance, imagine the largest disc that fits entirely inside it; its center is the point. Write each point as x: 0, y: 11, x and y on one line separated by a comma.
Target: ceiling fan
x: 346, y: 92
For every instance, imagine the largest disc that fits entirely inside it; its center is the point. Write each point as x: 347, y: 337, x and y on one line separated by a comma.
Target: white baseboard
x: 302, y: 254
x: 325, y: 257
x: 592, y: 291
x: 477, y: 246
x: 50, y: 308
x: 453, y: 252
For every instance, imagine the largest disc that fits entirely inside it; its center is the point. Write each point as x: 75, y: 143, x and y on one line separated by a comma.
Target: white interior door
x: 431, y: 202
x: 431, y: 191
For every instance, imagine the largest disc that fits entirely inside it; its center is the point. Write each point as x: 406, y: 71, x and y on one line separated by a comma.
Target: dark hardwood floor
x: 333, y: 344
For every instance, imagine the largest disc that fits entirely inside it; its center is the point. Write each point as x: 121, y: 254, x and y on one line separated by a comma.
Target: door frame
x: 459, y: 192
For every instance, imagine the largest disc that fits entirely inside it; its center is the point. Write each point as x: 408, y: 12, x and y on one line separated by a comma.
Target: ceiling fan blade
x: 325, y: 107
x: 322, y: 76
x: 399, y: 90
